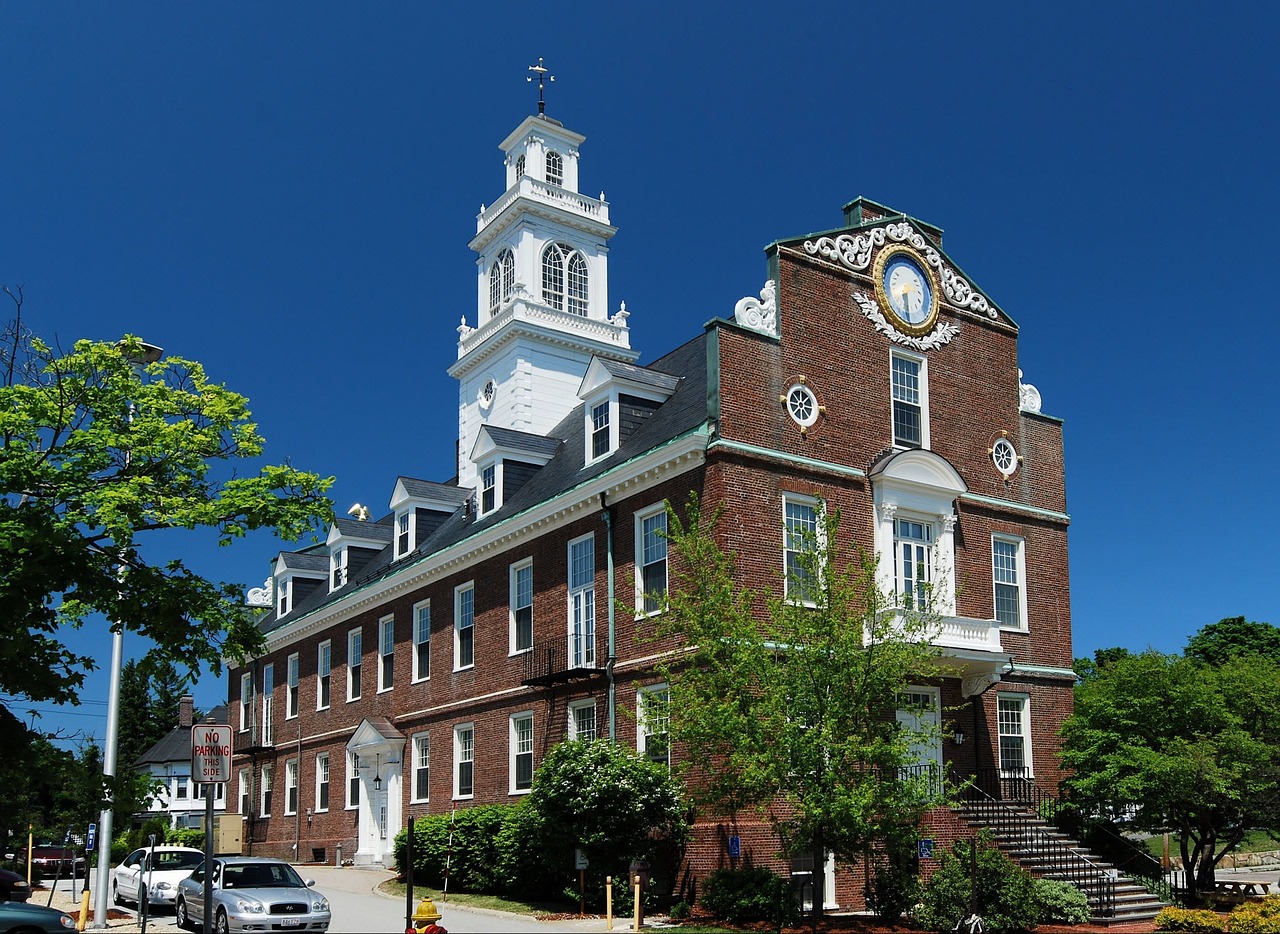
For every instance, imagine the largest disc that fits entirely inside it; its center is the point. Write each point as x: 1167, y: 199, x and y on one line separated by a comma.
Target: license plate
x: 291, y: 923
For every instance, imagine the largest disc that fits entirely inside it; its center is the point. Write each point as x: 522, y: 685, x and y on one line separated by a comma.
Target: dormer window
x: 283, y: 602
x: 404, y: 534
x: 488, y: 488
x: 502, y: 280
x: 339, y: 568
x: 555, y: 168
x: 600, y: 442
x: 561, y: 263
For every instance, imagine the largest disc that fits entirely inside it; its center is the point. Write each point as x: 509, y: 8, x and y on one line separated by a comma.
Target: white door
x: 920, y: 713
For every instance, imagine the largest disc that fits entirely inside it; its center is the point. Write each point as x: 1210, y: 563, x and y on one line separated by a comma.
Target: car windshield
x: 166, y: 861
x: 260, y: 876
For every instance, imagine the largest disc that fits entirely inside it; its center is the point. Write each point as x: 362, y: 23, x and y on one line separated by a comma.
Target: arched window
x: 553, y: 275
x: 577, y: 285
x: 519, y: 165
x: 502, y: 277
x: 555, y: 168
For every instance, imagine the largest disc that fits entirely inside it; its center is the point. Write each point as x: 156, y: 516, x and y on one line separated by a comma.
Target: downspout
x: 607, y: 515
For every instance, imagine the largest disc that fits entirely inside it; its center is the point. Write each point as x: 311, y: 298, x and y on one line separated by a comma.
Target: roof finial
x: 540, y: 70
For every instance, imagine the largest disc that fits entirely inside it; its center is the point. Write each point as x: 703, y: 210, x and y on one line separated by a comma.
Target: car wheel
x: 115, y: 894
x: 220, y: 923
x: 180, y: 914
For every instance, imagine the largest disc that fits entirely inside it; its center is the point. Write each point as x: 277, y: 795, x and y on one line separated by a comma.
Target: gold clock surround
x: 877, y: 275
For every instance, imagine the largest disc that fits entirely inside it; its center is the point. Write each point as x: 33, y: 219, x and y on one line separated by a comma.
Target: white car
x: 135, y: 877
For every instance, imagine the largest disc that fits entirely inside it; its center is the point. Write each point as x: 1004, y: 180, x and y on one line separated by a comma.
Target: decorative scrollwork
x: 261, y: 596
x: 938, y: 337
x: 759, y: 314
x: 1028, y: 395
x: 856, y: 251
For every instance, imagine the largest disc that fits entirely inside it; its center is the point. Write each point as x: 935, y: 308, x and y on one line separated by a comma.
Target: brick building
x: 427, y: 660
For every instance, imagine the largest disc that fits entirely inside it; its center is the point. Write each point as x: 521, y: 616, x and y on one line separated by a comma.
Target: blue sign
x: 735, y: 847
x: 92, y: 835
x: 924, y: 849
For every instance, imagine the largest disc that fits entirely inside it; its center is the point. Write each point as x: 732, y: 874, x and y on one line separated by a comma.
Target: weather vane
x: 540, y: 70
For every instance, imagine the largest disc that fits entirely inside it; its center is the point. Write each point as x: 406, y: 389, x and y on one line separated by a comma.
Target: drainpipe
x: 607, y: 515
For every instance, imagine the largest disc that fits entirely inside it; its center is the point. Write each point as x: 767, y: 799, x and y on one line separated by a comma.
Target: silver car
x: 253, y: 894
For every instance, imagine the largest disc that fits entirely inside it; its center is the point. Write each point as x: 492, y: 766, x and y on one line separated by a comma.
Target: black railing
x: 1023, y: 829
x: 549, y: 662
x: 1016, y: 786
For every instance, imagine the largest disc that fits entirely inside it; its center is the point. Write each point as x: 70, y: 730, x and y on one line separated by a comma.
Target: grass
x: 1255, y: 841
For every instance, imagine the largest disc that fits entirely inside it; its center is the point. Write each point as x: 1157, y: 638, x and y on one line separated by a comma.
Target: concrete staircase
x: 1044, y: 851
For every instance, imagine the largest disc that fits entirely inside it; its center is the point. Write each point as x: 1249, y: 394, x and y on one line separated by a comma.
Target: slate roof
x: 683, y: 369
x: 176, y: 745
x: 511, y: 440
x: 638, y: 374
x: 365, y: 531
x: 429, y: 489
x: 305, y: 561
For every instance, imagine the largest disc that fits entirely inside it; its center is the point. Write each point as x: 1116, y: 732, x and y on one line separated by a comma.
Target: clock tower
x: 542, y: 280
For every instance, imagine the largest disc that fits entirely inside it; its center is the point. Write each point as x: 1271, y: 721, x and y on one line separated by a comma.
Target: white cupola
x: 542, y: 296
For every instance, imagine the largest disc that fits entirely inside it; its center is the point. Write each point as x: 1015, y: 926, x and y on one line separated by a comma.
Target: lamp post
x: 150, y: 354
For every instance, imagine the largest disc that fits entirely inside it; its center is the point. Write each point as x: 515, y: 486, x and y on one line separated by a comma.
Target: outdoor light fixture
x: 308, y: 817
x: 377, y: 783
x: 958, y: 738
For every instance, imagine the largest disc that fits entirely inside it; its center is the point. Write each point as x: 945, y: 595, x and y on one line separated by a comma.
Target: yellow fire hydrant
x: 426, y: 916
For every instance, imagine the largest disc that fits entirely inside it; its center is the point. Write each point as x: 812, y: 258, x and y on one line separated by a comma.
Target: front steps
x: 1046, y: 852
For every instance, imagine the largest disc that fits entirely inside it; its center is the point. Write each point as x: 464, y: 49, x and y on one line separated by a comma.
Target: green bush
x: 1256, y: 917
x: 750, y: 894
x: 1060, y: 903
x: 464, y: 845
x: 184, y: 836
x: 1005, y: 895
x: 1187, y: 919
x: 895, y: 888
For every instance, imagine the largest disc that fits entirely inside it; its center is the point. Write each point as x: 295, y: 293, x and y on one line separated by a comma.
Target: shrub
x: 749, y: 894
x: 465, y: 845
x: 184, y: 836
x: 1187, y: 919
x: 1005, y: 894
x: 680, y: 911
x: 1060, y: 903
x: 1256, y: 917
x: 895, y: 888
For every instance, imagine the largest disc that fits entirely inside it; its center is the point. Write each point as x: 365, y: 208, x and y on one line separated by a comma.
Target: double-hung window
x: 324, y: 668
x: 1008, y: 573
x: 355, y: 649
x: 353, y: 780
x: 403, y: 533
x: 464, y: 761
x: 268, y: 686
x: 913, y: 554
x: 246, y: 702
x: 582, y: 602
x: 1013, y: 713
x: 800, y: 548
x: 522, y: 606
x: 464, y: 619
x: 582, y: 721
x: 651, y: 558
x: 245, y: 791
x: 421, y: 767
x: 265, y: 809
x: 291, y: 695
x: 386, y: 653
x: 422, y: 640
x: 291, y: 786
x: 910, y: 392
x: 600, y: 437
x: 653, y: 735
x: 338, y: 563
x: 322, y: 781
x: 488, y: 488
x: 521, y: 752
x: 282, y: 596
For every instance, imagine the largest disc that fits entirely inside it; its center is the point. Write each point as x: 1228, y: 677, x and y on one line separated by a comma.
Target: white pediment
x: 921, y: 468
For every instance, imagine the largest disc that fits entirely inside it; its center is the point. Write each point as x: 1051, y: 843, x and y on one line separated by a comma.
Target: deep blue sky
x: 285, y: 192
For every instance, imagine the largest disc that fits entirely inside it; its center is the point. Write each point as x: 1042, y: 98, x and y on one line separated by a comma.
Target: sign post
x: 210, y: 764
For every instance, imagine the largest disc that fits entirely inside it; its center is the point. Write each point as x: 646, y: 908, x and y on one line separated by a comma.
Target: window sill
x: 325, y: 707
x: 514, y: 652
x: 320, y: 811
x: 1015, y: 628
x: 464, y: 797
x: 386, y: 690
x: 420, y: 680
x: 516, y: 792
x: 464, y: 667
x: 352, y: 700
x: 419, y: 800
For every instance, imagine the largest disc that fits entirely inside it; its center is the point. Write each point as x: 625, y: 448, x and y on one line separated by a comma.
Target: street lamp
x: 149, y: 354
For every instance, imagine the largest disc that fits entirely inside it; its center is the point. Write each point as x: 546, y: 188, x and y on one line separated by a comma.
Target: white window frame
x: 324, y: 674
x: 420, y: 744
x: 351, y: 789
x: 246, y: 701
x: 422, y: 640
x: 922, y: 398
x: 284, y: 594
x: 324, y: 780
x: 464, y: 622
x: 999, y: 570
x: 489, y: 497
x: 641, y: 565
x: 554, y: 168
x: 464, y: 744
x: 404, y: 533
x: 581, y: 651
x: 265, y: 791
x: 268, y: 710
x: 386, y: 654
x: 355, y: 664
x: 242, y: 798
x: 645, y: 719
x: 606, y: 408
x: 1027, y: 769
x: 575, y: 731
x: 520, y: 747
x: 516, y: 604
x: 337, y: 569
x: 793, y: 542
x: 291, y: 795
x: 291, y: 687
x: 929, y: 527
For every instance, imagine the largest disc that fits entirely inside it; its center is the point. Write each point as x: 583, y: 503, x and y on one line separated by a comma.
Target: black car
x: 13, y: 887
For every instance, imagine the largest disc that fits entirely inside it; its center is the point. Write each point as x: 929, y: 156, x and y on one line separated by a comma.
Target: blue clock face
x: 908, y: 290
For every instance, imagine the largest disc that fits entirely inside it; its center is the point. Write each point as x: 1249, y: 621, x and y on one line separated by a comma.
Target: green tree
x: 1232, y: 637
x: 791, y: 712
x: 1170, y: 743
x: 1087, y: 668
x: 98, y: 451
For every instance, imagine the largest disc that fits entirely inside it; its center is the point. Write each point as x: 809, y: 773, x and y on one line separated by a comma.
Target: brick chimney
x: 186, y: 711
